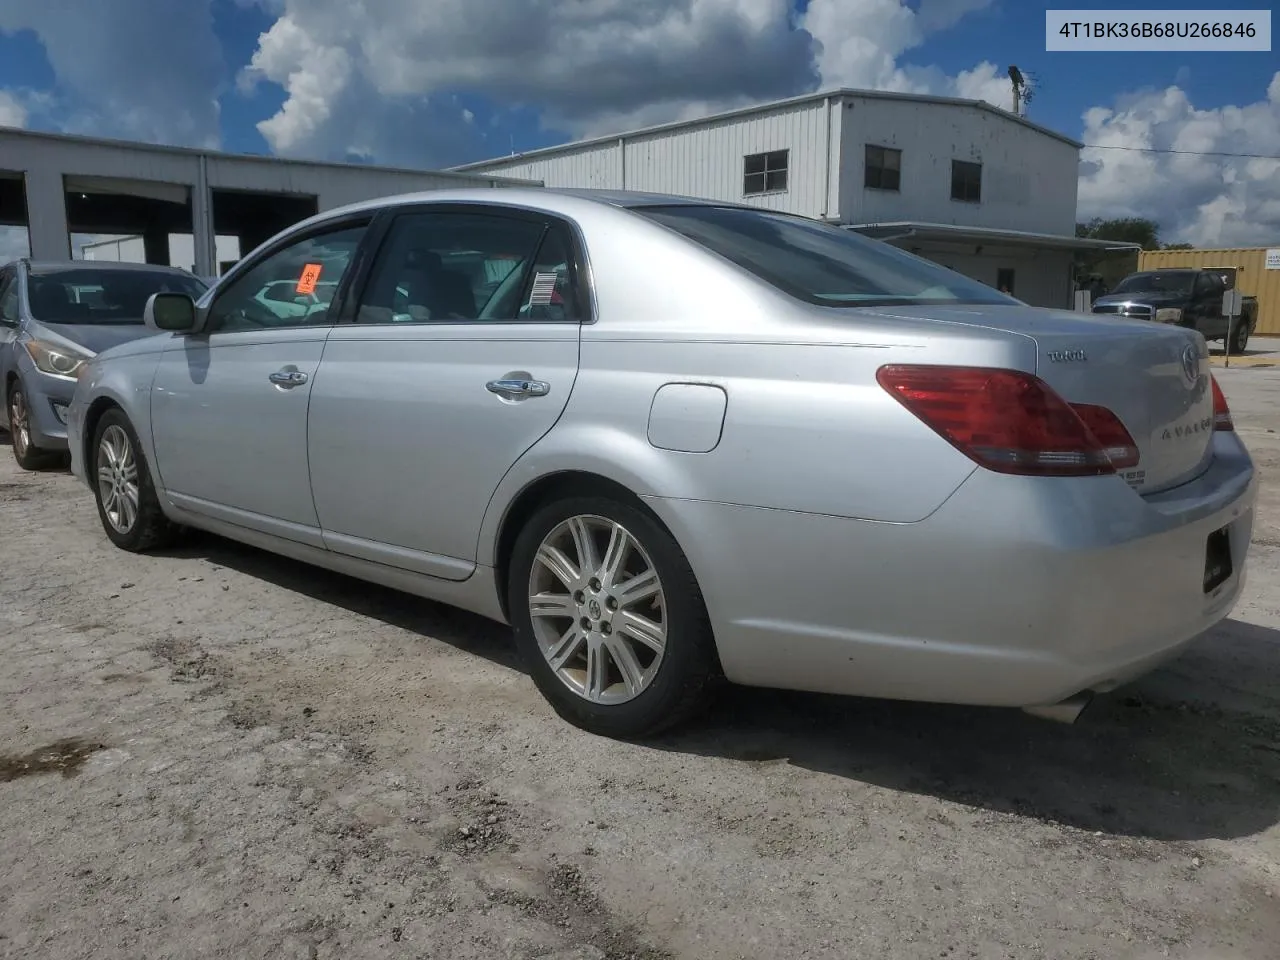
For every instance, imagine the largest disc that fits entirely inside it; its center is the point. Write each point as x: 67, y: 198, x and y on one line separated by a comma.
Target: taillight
x: 1110, y: 433
x: 1009, y: 421
x: 1221, y: 412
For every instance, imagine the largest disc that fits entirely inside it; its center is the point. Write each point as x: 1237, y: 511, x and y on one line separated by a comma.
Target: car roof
x: 562, y: 200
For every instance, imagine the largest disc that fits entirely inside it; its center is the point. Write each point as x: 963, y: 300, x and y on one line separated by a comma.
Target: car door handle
x: 288, y: 378
x: 518, y: 389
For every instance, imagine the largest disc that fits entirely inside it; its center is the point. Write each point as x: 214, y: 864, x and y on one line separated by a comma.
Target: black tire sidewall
x: 1241, y: 339
x: 148, y: 503
x: 686, y: 663
x: 34, y: 458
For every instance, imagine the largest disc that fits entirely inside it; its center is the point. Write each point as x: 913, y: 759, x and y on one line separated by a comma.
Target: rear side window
x: 820, y: 264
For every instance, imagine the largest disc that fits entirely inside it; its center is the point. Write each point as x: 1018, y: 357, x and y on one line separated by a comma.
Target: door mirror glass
x: 171, y: 312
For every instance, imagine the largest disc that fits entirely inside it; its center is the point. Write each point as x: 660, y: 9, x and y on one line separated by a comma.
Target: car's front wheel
x: 609, y: 618
x: 28, y: 455
x: 127, y: 502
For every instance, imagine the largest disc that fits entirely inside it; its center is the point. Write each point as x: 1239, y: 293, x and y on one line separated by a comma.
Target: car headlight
x: 56, y: 359
x: 1169, y: 315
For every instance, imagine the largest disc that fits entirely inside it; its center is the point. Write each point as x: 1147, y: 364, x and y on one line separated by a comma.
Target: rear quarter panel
x: 806, y: 427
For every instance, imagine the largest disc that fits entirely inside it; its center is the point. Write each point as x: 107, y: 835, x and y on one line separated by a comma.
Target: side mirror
x: 170, y: 313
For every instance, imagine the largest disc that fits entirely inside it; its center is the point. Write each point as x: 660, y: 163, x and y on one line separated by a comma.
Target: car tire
x: 1240, y: 338
x: 27, y: 454
x: 599, y: 687
x: 127, y: 503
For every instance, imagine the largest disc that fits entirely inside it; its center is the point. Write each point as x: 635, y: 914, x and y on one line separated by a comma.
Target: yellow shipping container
x: 1252, y: 276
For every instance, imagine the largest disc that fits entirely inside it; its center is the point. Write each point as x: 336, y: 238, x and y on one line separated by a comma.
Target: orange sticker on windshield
x: 310, y: 275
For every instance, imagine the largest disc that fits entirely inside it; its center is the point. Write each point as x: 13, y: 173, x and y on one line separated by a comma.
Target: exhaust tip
x: 1064, y: 711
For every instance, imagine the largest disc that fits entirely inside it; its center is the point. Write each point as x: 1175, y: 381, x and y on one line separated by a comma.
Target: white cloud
x: 13, y: 113
x: 358, y: 74
x: 147, y: 69
x: 862, y: 41
x: 365, y: 71
x: 1204, y: 200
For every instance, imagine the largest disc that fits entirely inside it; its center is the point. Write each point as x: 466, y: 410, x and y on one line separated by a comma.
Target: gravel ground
x: 220, y: 753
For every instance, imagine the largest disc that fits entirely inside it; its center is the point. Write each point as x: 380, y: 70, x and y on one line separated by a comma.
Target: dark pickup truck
x: 1186, y: 297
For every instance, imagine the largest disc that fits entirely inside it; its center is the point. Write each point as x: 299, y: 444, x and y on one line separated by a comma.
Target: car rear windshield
x: 90, y: 295
x: 1176, y: 282
x: 818, y: 263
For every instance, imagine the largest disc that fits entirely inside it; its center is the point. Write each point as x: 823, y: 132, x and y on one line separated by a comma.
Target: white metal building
x: 182, y: 252
x: 56, y: 185
x: 976, y: 188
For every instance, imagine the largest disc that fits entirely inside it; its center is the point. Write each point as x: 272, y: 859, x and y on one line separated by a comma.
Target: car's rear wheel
x: 1240, y: 338
x: 127, y: 502
x: 609, y: 618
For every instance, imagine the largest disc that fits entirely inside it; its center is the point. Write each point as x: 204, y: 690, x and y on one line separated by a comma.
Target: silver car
x: 53, y: 317
x: 670, y: 440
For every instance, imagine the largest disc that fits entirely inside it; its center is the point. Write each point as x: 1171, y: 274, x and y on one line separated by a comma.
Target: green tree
x: 1115, y: 266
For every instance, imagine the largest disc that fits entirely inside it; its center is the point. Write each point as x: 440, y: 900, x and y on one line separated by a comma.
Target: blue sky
x: 436, y: 82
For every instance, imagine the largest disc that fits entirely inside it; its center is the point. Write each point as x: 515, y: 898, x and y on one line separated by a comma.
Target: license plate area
x: 1217, y: 559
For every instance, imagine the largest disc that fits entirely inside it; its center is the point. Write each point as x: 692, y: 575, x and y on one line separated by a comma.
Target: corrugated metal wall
x: 704, y: 160
x: 597, y: 166
x: 707, y: 161
x: 1252, y: 277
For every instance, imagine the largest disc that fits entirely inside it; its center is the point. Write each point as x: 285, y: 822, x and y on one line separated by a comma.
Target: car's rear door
x: 441, y: 380
x: 229, y: 405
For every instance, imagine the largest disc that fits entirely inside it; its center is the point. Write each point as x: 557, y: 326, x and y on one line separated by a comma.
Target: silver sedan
x: 669, y: 441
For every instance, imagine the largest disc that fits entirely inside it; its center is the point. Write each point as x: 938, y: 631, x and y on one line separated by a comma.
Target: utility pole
x: 1015, y: 75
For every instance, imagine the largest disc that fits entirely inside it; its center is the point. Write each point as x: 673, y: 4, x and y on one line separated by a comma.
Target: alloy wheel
x: 598, y: 609
x: 19, y: 422
x: 118, y: 479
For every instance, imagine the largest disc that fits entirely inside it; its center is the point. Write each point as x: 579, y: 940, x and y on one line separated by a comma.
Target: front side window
x: 101, y: 295
x: 884, y: 168
x: 966, y: 181
x: 764, y: 172
x: 292, y: 287
x: 450, y: 267
x: 819, y: 263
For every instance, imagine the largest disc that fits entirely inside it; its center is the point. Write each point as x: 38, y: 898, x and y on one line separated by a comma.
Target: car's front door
x: 229, y: 404
x: 461, y: 355
x: 1206, y: 302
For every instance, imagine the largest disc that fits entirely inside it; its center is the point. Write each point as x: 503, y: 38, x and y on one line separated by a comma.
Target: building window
x: 966, y: 181
x: 884, y: 168
x: 764, y: 172
x: 1004, y: 280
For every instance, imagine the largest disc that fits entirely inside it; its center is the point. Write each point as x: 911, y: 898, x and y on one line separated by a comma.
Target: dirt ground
x: 219, y: 753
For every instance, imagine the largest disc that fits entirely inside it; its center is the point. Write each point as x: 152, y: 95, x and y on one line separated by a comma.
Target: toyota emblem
x: 1191, y: 363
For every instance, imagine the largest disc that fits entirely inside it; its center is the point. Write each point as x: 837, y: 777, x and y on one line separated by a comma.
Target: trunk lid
x: 1154, y: 377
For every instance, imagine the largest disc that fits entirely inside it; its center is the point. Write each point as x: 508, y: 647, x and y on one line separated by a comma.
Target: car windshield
x: 818, y: 263
x: 1177, y: 282
x: 96, y: 296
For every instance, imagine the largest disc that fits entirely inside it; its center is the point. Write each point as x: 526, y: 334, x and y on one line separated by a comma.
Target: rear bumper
x: 1015, y: 592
